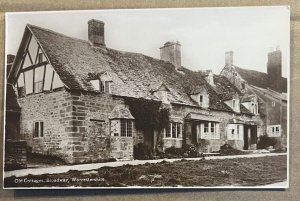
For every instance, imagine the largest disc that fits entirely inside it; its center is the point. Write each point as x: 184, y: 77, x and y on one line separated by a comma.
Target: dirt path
x: 85, y: 167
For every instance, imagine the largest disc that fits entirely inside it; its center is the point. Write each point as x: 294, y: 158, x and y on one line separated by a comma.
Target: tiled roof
x: 133, y: 74
x: 260, y: 79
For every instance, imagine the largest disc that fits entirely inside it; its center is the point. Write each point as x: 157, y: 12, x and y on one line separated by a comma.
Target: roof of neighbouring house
x: 133, y: 74
x: 260, y: 79
x: 11, y: 99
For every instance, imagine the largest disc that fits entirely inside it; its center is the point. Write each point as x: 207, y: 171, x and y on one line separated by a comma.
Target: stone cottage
x: 270, y: 89
x: 73, y: 98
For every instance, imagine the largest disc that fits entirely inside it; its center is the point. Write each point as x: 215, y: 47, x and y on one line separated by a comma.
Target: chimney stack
x: 274, y: 68
x: 229, y: 58
x: 96, y: 33
x: 171, y: 51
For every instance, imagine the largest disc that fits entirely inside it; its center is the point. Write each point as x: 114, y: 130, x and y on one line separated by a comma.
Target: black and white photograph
x: 147, y: 98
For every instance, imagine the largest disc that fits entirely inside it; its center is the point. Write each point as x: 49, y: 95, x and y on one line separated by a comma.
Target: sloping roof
x: 120, y: 112
x: 260, y: 79
x: 133, y: 74
x: 11, y: 99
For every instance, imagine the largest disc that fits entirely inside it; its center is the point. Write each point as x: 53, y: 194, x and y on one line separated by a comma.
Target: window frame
x: 126, y: 128
x: 275, y: 131
x: 168, y: 132
x: 200, y: 99
x: 38, y: 129
x: 210, y: 131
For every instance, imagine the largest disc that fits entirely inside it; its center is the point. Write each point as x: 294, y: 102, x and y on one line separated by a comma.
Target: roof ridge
x: 249, y: 69
x: 56, y: 33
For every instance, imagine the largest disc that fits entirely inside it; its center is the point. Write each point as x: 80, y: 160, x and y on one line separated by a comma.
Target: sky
x: 204, y: 33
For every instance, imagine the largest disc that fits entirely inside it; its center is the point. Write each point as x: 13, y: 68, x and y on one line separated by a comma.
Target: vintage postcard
x: 147, y: 98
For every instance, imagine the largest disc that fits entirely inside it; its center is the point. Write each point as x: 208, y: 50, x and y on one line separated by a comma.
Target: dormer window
x: 254, y: 108
x: 200, y: 96
x: 234, y: 103
x: 101, y: 86
x: 98, y: 85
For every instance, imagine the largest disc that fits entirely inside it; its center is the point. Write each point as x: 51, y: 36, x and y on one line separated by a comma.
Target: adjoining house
x: 15, y: 147
x: 268, y: 89
x: 73, y: 98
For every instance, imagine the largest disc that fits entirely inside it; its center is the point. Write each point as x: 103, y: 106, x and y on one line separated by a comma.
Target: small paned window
x: 38, y: 129
x: 206, y: 127
x: 174, y: 130
x: 126, y: 128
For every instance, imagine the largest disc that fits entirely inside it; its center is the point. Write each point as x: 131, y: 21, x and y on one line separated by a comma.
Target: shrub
x: 174, y: 152
x: 265, y: 141
x: 191, y: 150
x: 187, y: 151
x: 226, y: 149
x: 142, y: 152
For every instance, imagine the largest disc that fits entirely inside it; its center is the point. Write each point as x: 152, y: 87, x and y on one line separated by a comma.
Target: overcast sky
x: 204, y: 33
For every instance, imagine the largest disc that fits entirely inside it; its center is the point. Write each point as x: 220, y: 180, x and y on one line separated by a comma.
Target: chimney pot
x: 229, y: 58
x: 96, y: 33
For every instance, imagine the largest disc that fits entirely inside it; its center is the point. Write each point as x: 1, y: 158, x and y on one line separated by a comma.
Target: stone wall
x: 180, y: 112
x: 55, y: 110
x: 76, y: 126
x: 15, y: 154
x: 92, y: 136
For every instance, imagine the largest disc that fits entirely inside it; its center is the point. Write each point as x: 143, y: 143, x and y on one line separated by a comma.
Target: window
x: 38, y: 129
x: 210, y: 130
x: 98, y: 85
x: 174, y: 130
x: 173, y: 125
x: 274, y: 130
x: 277, y: 130
x: 233, y: 104
x: 273, y: 104
x: 235, y: 132
x: 201, y: 99
x: 179, y: 130
x: 206, y: 127
x: 126, y: 128
x: 243, y: 85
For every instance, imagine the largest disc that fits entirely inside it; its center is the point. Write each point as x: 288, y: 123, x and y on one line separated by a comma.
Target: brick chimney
x: 274, y: 68
x: 171, y: 51
x: 229, y: 58
x: 96, y: 33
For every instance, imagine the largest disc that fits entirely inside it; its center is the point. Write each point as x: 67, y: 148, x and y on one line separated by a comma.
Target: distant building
x: 270, y: 89
x: 73, y: 97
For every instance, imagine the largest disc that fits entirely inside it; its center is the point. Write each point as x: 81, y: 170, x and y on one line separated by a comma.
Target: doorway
x: 250, y: 136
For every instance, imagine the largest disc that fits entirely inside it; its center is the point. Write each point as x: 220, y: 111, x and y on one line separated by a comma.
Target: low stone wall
x: 122, y: 147
x: 15, y: 154
x: 177, y: 143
